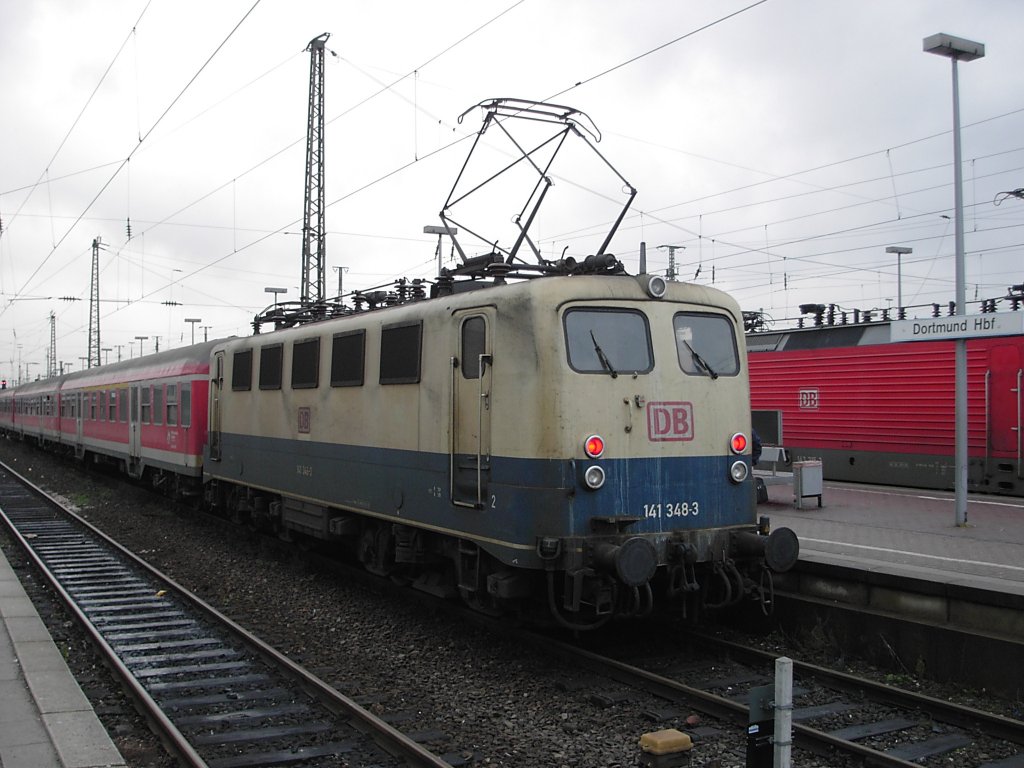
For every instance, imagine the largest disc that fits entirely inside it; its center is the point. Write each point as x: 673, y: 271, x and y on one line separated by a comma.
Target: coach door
x: 216, y: 383
x: 134, y: 433
x: 76, y: 411
x: 470, y: 460
x: 1003, y: 404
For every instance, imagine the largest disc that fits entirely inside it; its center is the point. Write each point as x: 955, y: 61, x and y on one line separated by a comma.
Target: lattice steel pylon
x: 51, y: 370
x: 314, y: 231
x: 94, y: 306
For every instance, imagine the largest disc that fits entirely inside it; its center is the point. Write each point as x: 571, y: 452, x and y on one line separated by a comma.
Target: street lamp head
x: 899, y: 249
x: 432, y: 229
x: 953, y: 47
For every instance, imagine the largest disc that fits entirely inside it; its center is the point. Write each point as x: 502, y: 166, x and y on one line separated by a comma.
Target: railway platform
x: 909, y: 532
x: 45, y: 719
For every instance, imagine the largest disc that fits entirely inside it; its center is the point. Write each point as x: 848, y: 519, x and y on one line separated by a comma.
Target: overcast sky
x: 784, y: 144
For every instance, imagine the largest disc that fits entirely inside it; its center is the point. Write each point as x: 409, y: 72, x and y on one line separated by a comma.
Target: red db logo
x: 669, y: 421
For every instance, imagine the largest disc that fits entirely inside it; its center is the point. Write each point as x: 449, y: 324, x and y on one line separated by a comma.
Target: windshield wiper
x: 603, y: 357
x: 700, y: 361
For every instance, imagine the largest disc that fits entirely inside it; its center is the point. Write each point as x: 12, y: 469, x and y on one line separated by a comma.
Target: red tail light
x: 594, y: 446
x: 738, y: 443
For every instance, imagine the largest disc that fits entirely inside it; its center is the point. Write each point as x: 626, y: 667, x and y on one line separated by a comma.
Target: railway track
x: 835, y: 714
x: 216, y: 695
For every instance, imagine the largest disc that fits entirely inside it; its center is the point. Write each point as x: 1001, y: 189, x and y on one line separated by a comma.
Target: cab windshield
x: 609, y: 341
x: 705, y: 345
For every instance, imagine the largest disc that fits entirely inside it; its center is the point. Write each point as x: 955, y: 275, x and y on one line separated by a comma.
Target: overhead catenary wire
x: 117, y: 171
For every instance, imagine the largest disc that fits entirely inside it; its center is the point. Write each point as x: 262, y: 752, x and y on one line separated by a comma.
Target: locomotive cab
x: 620, y: 443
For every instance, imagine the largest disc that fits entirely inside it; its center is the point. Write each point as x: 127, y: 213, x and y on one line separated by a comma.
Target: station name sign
x: 957, y: 327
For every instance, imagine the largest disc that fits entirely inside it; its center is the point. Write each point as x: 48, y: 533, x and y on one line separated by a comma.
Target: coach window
x: 172, y: 405
x: 92, y: 405
x: 241, y: 370
x: 347, y: 355
x: 706, y: 344
x: 122, y: 406
x: 474, y: 344
x: 103, y: 406
x: 609, y: 341
x: 147, y: 395
x: 400, y: 353
x: 306, y: 364
x: 186, y: 405
x: 270, y: 366
x: 158, y: 404
x: 112, y: 406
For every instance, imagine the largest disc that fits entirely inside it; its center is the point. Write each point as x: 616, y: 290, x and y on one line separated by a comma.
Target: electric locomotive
x: 558, y: 440
x: 878, y: 410
x: 581, y: 440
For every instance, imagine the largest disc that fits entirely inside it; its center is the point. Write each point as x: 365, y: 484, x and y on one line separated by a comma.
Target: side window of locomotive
x: 172, y: 405
x: 608, y: 341
x: 186, y: 404
x: 241, y: 371
x: 474, y: 344
x: 271, y: 359
x: 400, y: 353
x: 705, y: 344
x: 347, y: 358
x: 306, y: 364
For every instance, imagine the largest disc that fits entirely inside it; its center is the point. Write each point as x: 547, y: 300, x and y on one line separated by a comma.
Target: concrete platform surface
x: 45, y: 719
x: 909, y: 532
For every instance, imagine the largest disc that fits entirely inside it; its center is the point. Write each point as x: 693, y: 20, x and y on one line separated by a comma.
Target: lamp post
x: 141, y: 339
x: 192, y: 321
x: 106, y: 357
x: 275, y: 291
x: 432, y: 229
x: 958, y: 49
x: 900, y: 251
x: 340, y: 271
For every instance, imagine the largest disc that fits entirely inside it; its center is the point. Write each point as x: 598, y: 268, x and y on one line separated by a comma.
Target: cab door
x: 470, y: 428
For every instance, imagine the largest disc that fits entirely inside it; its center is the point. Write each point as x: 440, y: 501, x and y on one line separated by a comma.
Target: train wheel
x: 377, y: 549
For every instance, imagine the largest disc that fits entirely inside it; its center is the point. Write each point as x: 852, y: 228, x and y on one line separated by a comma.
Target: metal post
x: 192, y: 321
x: 960, y: 350
x: 899, y: 251
x: 783, y: 736
x: 956, y: 49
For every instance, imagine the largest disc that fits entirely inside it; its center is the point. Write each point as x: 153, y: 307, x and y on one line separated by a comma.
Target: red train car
x: 883, y: 412
x: 147, y: 416
x: 34, y: 410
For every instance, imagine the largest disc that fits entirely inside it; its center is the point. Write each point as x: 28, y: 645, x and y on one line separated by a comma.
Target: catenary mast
x: 314, y: 235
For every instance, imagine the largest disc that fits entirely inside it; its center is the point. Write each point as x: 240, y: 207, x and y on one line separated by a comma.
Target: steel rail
x: 389, y: 738
x: 805, y: 737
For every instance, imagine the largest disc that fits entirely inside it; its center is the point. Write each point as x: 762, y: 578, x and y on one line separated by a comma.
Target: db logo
x: 669, y: 421
x: 809, y: 399
x: 305, y: 420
